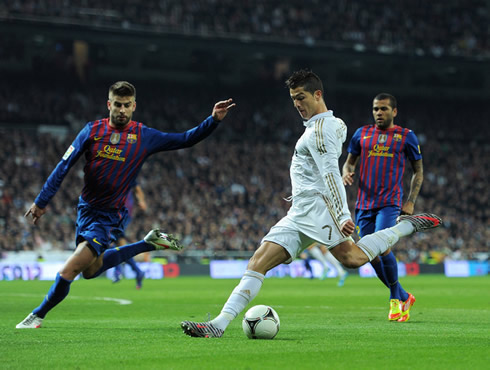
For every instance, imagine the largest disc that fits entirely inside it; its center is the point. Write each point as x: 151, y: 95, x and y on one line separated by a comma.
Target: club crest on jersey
x: 382, y: 138
x: 397, y: 137
x: 115, y: 138
x: 132, y: 138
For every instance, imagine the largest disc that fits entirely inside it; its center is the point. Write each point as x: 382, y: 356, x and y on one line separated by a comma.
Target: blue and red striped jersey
x: 130, y: 200
x: 114, y: 157
x: 382, y: 163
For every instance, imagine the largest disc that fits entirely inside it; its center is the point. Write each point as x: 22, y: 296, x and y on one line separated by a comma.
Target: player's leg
x: 365, y: 225
x: 306, y: 261
x: 139, y: 274
x: 283, y: 243
x: 268, y: 256
x: 82, y: 257
x: 387, y: 218
x: 114, y: 256
x: 117, y: 273
x: 341, y: 272
x: 317, y: 254
x: 132, y: 263
x: 355, y: 255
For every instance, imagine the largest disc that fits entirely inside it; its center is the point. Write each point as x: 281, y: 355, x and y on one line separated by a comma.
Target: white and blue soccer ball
x: 261, y: 322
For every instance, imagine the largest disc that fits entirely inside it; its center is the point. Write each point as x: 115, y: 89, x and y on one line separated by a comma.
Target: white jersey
x: 319, y: 201
x: 315, y: 163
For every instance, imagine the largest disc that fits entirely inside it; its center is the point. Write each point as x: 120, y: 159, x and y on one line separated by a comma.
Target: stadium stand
x: 221, y: 205
x: 435, y: 28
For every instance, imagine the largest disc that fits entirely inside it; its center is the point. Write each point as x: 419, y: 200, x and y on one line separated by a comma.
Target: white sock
x: 333, y: 261
x: 319, y: 256
x: 379, y: 242
x: 244, y: 292
x: 403, y: 228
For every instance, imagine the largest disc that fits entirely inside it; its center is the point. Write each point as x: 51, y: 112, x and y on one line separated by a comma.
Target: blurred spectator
x: 226, y: 192
x: 435, y: 28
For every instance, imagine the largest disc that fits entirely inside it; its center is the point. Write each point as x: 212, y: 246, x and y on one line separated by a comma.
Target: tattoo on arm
x: 417, y: 180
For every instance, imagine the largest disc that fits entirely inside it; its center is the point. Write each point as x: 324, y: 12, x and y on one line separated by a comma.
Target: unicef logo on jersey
x: 115, y: 138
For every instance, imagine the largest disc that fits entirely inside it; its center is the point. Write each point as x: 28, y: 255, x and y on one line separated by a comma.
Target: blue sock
x: 118, y: 270
x: 115, y: 256
x: 378, y: 267
x: 58, y: 291
x: 131, y: 262
x: 391, y: 271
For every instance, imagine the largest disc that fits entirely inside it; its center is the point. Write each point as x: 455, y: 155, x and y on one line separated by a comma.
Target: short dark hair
x: 123, y: 88
x: 306, y: 79
x: 391, y: 98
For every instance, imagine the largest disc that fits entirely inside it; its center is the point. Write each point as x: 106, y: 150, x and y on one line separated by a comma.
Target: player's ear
x: 395, y: 112
x: 109, y: 105
x: 134, y: 106
x: 318, y: 94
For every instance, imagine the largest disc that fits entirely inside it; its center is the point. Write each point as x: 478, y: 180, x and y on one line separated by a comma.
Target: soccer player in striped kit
x: 382, y: 150
x: 115, y: 149
x: 319, y: 211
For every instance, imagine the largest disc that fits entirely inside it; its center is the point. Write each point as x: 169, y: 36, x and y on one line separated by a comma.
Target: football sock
x: 378, y: 267
x: 58, y: 291
x: 131, y: 262
x: 241, y: 296
x: 308, y: 268
x: 391, y: 272
x: 115, y: 256
x: 379, y: 242
x: 403, y: 228
x: 335, y: 263
x: 118, y: 269
x: 318, y: 255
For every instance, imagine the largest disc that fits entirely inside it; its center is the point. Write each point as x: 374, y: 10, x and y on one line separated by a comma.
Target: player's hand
x: 348, y: 178
x: 407, y: 208
x: 221, y: 108
x: 35, y: 212
x: 348, y: 227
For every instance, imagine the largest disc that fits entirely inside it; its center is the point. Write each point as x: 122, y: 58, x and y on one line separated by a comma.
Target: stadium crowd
x: 224, y: 194
x: 435, y: 28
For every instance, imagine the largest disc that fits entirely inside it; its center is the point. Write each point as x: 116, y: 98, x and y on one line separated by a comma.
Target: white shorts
x: 309, y: 220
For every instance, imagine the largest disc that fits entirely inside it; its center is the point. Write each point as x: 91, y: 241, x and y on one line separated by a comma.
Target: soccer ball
x: 261, y: 322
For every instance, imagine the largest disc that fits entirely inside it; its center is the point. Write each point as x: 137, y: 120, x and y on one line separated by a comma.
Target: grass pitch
x: 101, y: 325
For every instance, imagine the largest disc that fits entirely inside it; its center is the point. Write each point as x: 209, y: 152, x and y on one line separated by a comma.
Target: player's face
x: 306, y: 103
x: 121, y: 109
x: 383, y: 113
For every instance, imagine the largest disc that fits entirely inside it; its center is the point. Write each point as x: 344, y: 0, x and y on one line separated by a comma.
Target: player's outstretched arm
x: 35, y: 212
x: 221, y: 108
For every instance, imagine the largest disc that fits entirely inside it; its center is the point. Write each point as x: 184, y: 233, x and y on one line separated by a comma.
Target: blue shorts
x: 100, y: 228
x: 371, y: 220
x: 122, y: 234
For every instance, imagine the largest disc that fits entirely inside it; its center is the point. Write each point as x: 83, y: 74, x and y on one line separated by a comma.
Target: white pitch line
x: 109, y: 299
x: 117, y: 300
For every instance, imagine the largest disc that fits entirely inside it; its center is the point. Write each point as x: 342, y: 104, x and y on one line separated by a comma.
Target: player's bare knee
x: 88, y: 275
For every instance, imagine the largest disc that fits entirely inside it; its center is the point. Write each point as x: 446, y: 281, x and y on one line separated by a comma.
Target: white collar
x: 328, y: 113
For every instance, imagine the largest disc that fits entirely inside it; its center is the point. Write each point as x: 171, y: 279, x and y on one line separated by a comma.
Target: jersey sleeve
x: 412, y: 147
x: 355, y: 143
x: 70, y: 157
x: 158, y: 141
x: 326, y: 148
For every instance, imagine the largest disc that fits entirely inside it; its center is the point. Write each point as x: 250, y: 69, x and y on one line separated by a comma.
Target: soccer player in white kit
x: 319, y: 211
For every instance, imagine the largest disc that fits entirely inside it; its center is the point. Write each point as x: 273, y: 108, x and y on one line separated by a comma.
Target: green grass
x: 322, y: 326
